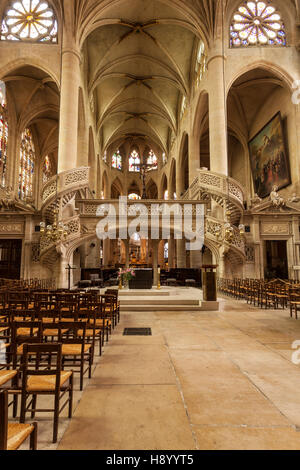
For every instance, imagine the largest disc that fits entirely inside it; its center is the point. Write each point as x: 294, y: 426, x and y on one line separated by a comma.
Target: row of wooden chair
x: 264, y: 294
x: 43, y: 346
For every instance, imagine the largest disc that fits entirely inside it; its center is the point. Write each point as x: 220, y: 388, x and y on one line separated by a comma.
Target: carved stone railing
x: 221, y: 184
x: 64, y: 182
x: 215, y: 229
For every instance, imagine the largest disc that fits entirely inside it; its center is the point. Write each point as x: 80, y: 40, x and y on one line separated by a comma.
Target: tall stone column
x: 161, y: 250
x: 26, y: 252
x: 194, y: 157
x: 179, y: 180
x: 171, y: 252
x: 68, y: 121
x: 126, y: 243
x: 217, y: 111
x: 195, y: 259
x: 181, y: 253
x: 106, y: 252
x: 155, y: 261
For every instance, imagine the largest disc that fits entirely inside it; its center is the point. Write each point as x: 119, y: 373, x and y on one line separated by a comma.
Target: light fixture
x: 55, y: 232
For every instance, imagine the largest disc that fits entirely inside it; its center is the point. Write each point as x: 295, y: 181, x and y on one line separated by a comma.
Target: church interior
x: 149, y: 224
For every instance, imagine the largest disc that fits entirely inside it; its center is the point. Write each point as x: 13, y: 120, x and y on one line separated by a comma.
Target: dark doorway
x: 276, y: 260
x: 10, y: 258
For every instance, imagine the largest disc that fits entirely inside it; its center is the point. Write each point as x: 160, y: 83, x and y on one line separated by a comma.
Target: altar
x: 143, y: 279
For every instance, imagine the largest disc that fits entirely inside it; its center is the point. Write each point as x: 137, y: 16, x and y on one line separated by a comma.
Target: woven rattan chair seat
x: 46, y: 383
x: 16, y: 434
x: 6, y: 375
x: 88, y: 333
x: 26, y: 331
x: 74, y: 349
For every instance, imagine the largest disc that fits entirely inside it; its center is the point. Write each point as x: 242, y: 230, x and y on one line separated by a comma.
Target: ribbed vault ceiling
x: 140, y: 63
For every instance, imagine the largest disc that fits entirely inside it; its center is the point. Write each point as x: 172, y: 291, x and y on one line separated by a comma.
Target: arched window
x: 104, y: 157
x: 29, y: 20
x: 166, y: 195
x: 134, y: 197
x: 47, y: 169
x: 134, y: 162
x: 256, y: 24
x: 164, y: 158
x: 3, y: 134
x: 201, y: 62
x: 116, y: 160
x: 152, y: 160
x: 27, y: 165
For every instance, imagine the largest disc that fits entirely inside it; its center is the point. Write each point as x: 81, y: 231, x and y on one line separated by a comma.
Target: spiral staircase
x: 219, y: 192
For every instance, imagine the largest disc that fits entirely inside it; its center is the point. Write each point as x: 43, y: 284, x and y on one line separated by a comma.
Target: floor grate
x: 137, y: 332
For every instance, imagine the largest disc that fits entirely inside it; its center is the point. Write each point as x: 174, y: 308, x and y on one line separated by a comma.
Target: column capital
x: 70, y: 50
x: 216, y: 56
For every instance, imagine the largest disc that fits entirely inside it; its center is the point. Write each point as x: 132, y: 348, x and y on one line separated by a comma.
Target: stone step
x: 183, y: 307
x: 160, y: 308
x: 153, y: 301
x: 142, y: 293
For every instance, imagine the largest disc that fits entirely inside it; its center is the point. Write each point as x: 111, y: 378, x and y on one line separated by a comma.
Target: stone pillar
x: 161, y: 249
x: 68, y: 120
x: 217, y: 112
x: 194, y: 157
x: 179, y: 180
x: 171, y: 252
x: 106, y: 252
x: 26, y: 252
x: 181, y: 253
x: 126, y: 243
x: 155, y: 261
x: 195, y: 259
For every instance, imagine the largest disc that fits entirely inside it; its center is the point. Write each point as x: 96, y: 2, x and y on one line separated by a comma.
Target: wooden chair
x: 76, y: 350
x: 115, y: 293
x: 294, y: 302
x: 45, y: 378
x: 12, y: 435
x: 93, y: 333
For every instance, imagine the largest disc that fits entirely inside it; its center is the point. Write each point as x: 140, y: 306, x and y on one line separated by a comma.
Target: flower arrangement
x: 126, y: 274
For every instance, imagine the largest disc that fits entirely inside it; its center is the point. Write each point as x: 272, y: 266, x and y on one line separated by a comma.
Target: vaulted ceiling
x: 140, y: 63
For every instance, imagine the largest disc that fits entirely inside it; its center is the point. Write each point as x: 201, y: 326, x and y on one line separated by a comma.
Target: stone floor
x: 215, y: 380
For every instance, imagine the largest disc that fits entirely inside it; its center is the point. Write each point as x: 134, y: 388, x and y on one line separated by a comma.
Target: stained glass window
x: 201, y: 63
x: 47, y: 169
x: 116, y: 160
x: 257, y: 23
x: 104, y: 158
x: 27, y: 165
x: 134, y: 196
x: 152, y: 160
x: 134, y: 162
x: 29, y: 20
x: 3, y: 134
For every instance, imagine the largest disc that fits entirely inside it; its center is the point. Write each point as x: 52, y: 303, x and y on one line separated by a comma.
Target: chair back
x: 3, y: 419
x: 45, y: 360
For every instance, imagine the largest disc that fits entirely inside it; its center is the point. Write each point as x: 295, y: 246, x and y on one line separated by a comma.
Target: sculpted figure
x: 277, y: 201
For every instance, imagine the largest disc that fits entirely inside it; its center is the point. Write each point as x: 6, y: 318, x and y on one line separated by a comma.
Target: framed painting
x: 268, y: 158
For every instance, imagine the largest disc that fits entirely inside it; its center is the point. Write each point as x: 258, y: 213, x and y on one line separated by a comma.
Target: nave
x: 215, y: 380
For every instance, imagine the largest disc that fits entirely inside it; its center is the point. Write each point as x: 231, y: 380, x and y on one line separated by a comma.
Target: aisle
x: 201, y: 381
